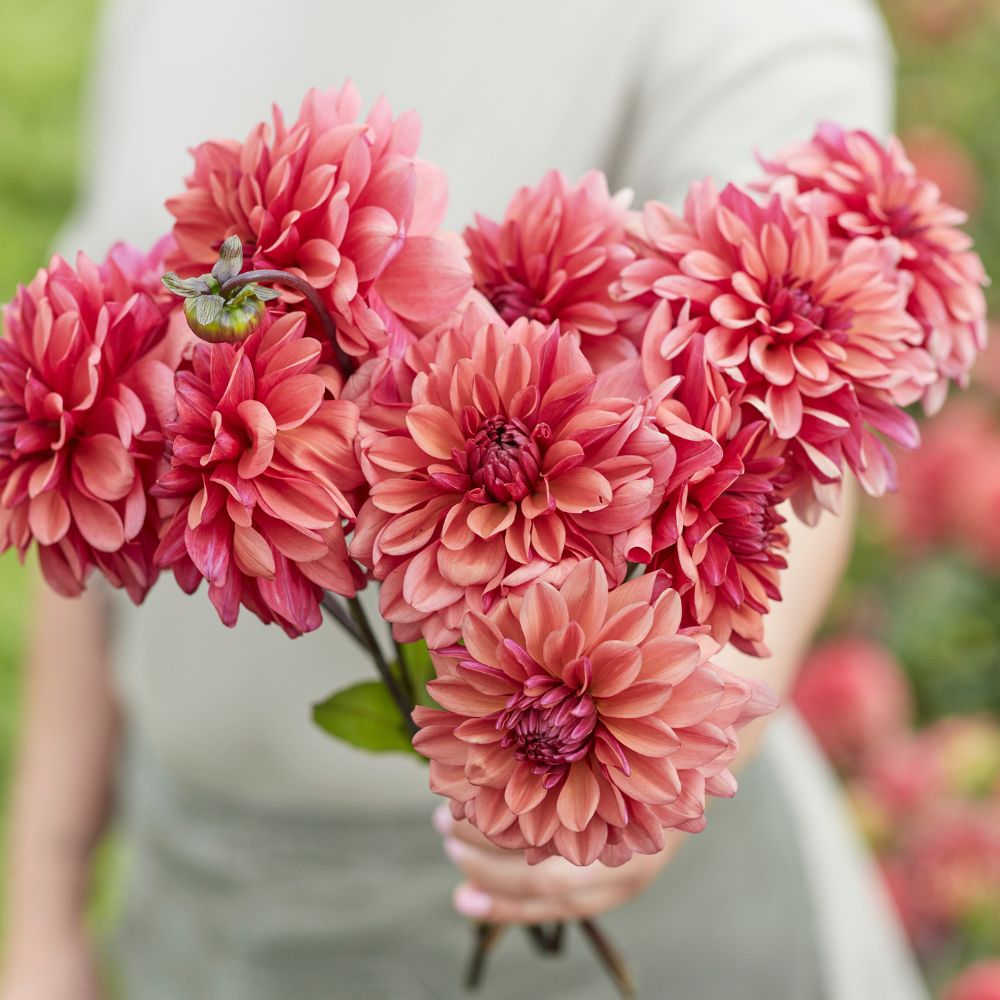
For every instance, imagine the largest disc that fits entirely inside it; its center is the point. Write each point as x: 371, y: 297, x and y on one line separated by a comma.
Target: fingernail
x: 455, y: 849
x: 442, y: 820
x: 471, y: 902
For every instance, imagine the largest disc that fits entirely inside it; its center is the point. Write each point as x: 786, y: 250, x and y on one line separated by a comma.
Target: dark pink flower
x: 873, y: 191
x: 980, y: 981
x: 720, y: 539
x: 340, y: 202
x: 509, y: 466
x: 555, y: 256
x: 814, y: 338
x: 262, y: 470
x: 86, y: 373
x: 855, y: 698
x: 584, y: 723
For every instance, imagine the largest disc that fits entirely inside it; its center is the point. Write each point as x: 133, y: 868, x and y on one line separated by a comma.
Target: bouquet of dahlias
x: 560, y: 446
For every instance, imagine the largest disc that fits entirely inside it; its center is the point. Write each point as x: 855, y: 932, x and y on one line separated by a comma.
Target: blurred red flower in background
x: 855, y: 698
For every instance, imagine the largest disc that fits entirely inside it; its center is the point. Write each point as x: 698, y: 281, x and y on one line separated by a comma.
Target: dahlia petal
x: 580, y: 490
x: 435, y: 430
x: 425, y: 279
x: 97, y: 521
x: 105, y: 466
x: 252, y: 553
x: 578, y: 797
x: 616, y: 666
x: 525, y: 789
x: 642, y: 698
x: 48, y: 517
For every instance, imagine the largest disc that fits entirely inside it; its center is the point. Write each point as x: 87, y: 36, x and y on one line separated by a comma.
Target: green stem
x: 364, y: 628
x: 308, y: 293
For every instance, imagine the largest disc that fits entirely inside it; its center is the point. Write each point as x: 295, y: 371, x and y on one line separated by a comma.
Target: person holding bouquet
x: 264, y: 860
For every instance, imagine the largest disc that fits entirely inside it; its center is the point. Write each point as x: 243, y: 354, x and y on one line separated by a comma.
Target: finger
x: 471, y: 901
x: 508, y: 874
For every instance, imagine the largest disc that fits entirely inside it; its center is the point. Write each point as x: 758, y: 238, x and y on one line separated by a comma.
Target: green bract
x: 219, y: 316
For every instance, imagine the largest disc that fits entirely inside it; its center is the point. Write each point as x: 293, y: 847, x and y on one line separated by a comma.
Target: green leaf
x: 419, y: 670
x: 365, y: 716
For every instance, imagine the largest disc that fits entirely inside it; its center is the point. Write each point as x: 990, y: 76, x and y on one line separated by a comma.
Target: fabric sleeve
x: 724, y: 79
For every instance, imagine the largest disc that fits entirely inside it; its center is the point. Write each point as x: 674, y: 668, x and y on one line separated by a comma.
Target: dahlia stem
x: 611, y: 958
x: 487, y: 936
x: 336, y: 610
x: 364, y: 628
x: 303, y: 287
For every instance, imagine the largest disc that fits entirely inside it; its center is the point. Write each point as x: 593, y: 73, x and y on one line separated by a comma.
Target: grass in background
x: 47, y: 44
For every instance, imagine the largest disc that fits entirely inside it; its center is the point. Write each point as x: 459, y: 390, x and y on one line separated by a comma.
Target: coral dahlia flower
x: 584, y: 723
x: 261, y: 472
x: 509, y: 467
x: 818, y: 341
x: 87, y: 362
x: 555, y: 256
x: 874, y: 191
x: 340, y: 202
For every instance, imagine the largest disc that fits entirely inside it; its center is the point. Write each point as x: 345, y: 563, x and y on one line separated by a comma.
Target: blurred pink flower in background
x: 948, y: 869
x: 262, y: 469
x: 582, y: 723
x: 980, y: 981
x: 855, y: 698
x: 340, y: 202
x: 950, y: 488
x: 941, y: 159
x: 87, y: 361
x: 554, y: 256
x: 867, y: 189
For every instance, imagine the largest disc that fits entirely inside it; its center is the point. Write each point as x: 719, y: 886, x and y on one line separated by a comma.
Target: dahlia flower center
x: 504, y: 460
x: 548, y: 725
x: 794, y: 307
x: 514, y: 300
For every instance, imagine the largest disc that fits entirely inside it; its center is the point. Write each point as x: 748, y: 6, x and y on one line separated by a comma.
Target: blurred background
x: 903, y: 689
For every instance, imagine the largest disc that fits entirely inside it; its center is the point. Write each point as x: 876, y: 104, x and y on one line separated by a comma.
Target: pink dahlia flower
x: 340, y: 202
x: 816, y: 340
x: 509, y: 467
x: 855, y: 698
x: 873, y: 191
x: 87, y: 362
x: 951, y: 868
x: 720, y: 539
x: 980, y: 981
x: 584, y: 723
x: 262, y: 468
x: 555, y: 256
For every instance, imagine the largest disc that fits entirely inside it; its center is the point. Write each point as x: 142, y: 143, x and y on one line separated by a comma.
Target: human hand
x: 62, y: 967
x: 501, y: 887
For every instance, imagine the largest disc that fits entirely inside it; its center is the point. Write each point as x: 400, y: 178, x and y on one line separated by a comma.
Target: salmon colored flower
x: 262, y: 470
x: 555, y: 256
x: 584, y: 723
x: 509, y: 467
x: 873, y: 191
x: 340, y: 202
x: 87, y: 362
x: 816, y: 340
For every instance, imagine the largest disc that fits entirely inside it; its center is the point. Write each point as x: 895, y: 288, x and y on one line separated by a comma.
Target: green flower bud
x: 217, y: 316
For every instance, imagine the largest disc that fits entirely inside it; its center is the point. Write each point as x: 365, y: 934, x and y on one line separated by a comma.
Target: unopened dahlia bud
x: 218, y: 315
